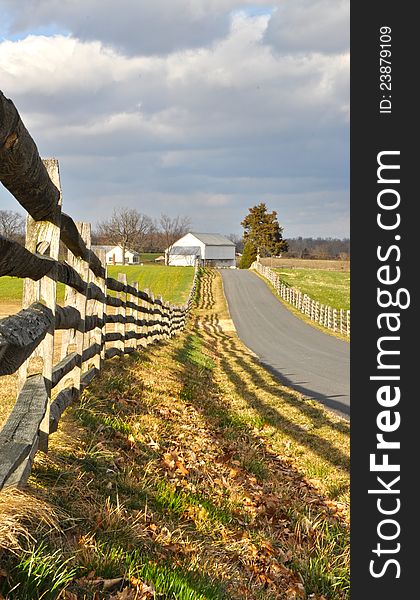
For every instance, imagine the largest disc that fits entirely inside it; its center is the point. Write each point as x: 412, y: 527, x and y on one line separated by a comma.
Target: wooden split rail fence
x: 91, y: 332
x: 331, y: 318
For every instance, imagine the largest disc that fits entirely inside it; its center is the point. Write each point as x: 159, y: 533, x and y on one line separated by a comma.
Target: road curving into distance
x: 301, y: 356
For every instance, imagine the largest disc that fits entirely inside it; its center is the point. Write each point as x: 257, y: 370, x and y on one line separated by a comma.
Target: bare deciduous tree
x: 11, y: 224
x: 171, y: 229
x: 127, y: 228
x: 238, y: 240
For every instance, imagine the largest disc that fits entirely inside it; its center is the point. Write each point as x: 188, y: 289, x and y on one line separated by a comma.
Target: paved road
x: 306, y: 359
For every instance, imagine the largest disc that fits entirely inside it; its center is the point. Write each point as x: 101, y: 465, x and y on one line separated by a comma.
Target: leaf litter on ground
x: 204, y: 486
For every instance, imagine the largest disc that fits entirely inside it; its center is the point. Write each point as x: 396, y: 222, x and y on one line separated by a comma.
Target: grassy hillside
x: 327, y: 287
x: 172, y: 283
x: 10, y: 289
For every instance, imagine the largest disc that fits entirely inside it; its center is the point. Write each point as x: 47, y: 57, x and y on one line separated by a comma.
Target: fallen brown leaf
x: 181, y: 468
x: 125, y: 594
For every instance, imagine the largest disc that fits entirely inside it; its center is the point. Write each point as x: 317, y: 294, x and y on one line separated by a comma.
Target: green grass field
x: 149, y: 257
x: 10, y: 289
x: 172, y: 283
x: 327, y: 287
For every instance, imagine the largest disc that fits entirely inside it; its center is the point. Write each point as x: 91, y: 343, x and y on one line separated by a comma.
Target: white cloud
x: 217, y: 125
x: 133, y: 26
x: 310, y: 26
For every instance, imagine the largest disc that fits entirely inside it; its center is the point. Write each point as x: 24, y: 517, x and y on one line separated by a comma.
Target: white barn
x: 114, y: 255
x: 210, y: 249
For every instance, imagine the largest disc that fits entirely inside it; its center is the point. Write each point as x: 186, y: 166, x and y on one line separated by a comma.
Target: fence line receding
x: 337, y: 320
x: 27, y: 338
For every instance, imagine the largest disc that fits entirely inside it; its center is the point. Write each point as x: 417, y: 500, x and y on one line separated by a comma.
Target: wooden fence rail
x: 91, y: 332
x: 326, y: 316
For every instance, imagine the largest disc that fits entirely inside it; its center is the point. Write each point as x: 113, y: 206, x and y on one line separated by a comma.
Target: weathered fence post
x: 168, y: 316
x: 132, y: 342
x: 144, y: 310
x: 98, y: 308
x: 149, y: 317
x: 161, y: 327
x: 155, y: 322
x: 74, y: 340
x: 122, y: 311
x: 43, y: 237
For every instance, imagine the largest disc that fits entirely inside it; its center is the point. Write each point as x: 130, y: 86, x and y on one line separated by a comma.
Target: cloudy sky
x: 188, y: 107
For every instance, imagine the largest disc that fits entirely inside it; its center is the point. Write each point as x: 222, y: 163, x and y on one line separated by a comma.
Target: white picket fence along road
x: 324, y: 315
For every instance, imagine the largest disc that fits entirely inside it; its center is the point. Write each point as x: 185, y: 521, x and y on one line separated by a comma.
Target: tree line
x: 133, y: 230
x: 127, y: 228
x: 310, y: 247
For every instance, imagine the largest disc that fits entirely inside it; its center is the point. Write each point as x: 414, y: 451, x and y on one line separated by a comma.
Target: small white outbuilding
x: 209, y: 249
x: 114, y: 255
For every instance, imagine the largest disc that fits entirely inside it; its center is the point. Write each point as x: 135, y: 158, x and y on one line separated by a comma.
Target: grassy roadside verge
x: 327, y: 287
x: 187, y: 472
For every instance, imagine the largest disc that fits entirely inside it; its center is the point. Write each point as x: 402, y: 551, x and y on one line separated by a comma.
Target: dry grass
x: 305, y: 263
x: 8, y: 390
x: 20, y: 514
x: 191, y: 460
x: 9, y: 383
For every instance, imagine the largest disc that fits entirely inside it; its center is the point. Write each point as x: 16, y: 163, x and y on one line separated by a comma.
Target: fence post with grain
x: 95, y: 324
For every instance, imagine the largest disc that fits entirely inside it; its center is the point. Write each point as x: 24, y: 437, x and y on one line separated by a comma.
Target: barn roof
x: 102, y: 247
x: 213, y: 239
x: 185, y: 250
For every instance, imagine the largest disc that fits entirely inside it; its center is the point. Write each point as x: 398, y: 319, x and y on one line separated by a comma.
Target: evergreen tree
x: 248, y: 256
x: 263, y: 231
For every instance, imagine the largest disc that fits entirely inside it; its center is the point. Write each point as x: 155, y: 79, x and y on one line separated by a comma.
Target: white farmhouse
x: 210, y: 249
x: 114, y: 255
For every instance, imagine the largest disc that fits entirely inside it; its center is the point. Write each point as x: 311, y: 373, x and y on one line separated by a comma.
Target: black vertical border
x: 370, y: 133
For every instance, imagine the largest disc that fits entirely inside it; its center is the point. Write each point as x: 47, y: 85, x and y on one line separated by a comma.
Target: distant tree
x: 238, y: 240
x: 249, y: 256
x: 262, y: 229
x: 318, y: 247
x: 171, y: 229
x: 153, y: 241
x: 126, y: 228
x: 12, y: 225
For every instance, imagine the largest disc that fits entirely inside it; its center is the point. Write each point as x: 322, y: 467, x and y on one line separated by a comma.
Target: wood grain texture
x: 20, y: 334
x: 20, y: 432
x: 64, y: 367
x: 43, y: 237
x: 22, y: 171
x: 96, y: 309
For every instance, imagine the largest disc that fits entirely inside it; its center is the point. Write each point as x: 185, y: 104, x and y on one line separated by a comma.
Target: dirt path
x: 9, y: 308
